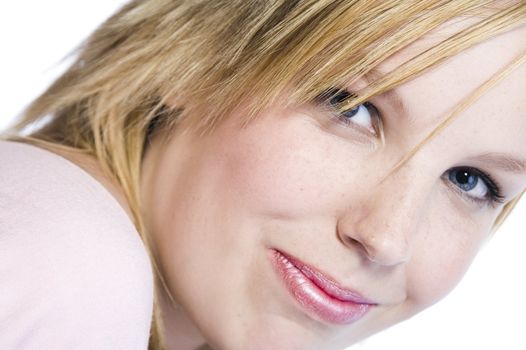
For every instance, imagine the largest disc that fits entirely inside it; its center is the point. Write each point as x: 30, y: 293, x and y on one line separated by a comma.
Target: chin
x: 268, y: 336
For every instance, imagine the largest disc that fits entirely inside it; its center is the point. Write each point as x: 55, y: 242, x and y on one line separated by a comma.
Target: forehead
x: 429, y: 98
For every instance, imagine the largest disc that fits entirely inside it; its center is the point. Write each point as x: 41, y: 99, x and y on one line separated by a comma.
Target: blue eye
x: 363, y: 116
x: 475, y: 185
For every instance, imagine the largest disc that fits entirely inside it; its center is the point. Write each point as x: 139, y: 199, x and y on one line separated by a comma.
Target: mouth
x: 317, y: 294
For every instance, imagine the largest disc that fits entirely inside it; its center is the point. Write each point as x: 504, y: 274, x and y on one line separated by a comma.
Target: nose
x: 382, y: 222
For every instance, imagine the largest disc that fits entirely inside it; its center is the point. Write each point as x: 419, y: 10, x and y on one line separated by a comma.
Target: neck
x: 179, y: 331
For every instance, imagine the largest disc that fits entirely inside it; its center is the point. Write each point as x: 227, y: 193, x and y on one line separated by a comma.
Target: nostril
x: 382, y: 249
x: 354, y: 244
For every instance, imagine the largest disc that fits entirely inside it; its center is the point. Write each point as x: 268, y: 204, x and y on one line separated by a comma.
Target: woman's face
x: 292, y: 233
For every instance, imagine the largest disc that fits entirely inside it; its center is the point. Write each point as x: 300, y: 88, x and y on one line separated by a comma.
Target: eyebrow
x: 503, y: 162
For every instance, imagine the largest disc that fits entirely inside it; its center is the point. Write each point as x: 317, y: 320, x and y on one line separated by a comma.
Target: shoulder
x: 73, y: 270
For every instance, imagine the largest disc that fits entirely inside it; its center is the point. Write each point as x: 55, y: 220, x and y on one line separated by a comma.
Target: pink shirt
x: 74, y: 273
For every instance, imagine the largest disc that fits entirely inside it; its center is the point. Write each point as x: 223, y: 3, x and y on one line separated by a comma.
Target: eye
x: 365, y: 116
x: 476, y: 185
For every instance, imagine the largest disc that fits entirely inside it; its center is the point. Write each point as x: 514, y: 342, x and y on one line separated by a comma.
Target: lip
x: 318, y: 294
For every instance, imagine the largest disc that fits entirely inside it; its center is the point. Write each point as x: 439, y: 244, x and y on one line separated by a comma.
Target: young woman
x: 303, y: 174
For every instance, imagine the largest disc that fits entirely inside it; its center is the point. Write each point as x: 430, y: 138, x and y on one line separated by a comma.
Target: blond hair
x: 208, y: 58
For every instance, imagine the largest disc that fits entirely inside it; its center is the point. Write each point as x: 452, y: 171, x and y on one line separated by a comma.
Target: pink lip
x: 319, y: 294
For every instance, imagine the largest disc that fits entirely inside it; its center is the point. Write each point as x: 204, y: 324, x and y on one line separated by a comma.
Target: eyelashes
x: 470, y: 183
x: 364, y: 117
x: 469, y: 179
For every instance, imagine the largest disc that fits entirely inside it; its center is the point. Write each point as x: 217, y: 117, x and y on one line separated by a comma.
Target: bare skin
x: 93, y: 168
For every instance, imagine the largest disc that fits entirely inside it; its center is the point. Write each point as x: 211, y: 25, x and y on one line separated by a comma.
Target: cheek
x: 441, y: 257
x: 284, y: 167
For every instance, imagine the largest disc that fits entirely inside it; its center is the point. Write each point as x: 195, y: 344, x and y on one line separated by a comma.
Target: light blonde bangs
x: 160, y: 64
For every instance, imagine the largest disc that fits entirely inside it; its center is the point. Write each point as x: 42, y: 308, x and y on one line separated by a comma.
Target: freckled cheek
x: 289, y: 173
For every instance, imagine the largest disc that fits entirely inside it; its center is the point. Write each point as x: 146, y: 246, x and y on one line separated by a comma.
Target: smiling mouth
x: 317, y: 294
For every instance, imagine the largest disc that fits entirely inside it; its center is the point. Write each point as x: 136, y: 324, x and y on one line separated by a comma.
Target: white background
x: 484, y: 312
